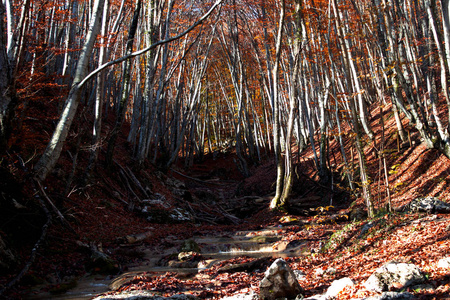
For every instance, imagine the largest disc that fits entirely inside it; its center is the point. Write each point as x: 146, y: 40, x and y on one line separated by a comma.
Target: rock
x: 357, y: 214
x: 190, y: 264
x: 245, y: 267
x: 279, y: 282
x: 181, y: 215
x: 427, y: 204
x: 145, y: 295
x: 337, y: 286
x: 394, y: 275
x: 190, y: 246
x: 243, y: 296
x: 299, y: 274
x: 315, y: 297
x: 158, y: 210
x: 365, y: 228
x: 319, y: 272
x: 444, y: 263
x: 392, y: 295
x: 102, y: 263
x: 184, y: 256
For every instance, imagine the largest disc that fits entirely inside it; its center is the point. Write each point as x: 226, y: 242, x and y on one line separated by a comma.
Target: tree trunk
x: 125, y: 87
x: 8, y: 99
x: 276, y: 203
x: 99, y: 98
x: 53, y: 151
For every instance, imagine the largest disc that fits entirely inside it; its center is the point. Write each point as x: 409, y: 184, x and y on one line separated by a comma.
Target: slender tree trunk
x: 275, y: 203
x: 8, y: 99
x: 125, y: 88
x: 365, y: 180
x: 294, y: 102
x: 99, y: 98
x: 54, y: 147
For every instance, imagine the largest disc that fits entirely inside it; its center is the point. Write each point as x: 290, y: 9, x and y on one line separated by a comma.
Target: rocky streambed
x: 186, y: 258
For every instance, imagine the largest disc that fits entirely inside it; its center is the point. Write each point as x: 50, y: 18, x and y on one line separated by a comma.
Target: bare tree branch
x: 152, y: 46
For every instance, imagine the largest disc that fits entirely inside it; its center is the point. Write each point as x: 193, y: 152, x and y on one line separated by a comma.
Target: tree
x: 8, y: 99
x: 275, y: 202
x: 54, y: 147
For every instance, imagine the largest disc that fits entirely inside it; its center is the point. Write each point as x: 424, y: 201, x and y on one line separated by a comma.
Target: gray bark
x: 53, y: 151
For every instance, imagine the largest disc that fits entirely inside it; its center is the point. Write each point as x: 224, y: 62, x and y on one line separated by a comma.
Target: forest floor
x: 101, y: 214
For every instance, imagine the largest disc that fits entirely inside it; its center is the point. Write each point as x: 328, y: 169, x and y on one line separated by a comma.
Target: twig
x: 120, y: 194
x: 55, y: 209
x: 128, y: 185
x: 233, y: 219
x: 198, y: 180
x: 137, y: 182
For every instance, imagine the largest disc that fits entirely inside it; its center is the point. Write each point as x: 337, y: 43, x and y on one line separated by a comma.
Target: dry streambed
x: 186, y: 258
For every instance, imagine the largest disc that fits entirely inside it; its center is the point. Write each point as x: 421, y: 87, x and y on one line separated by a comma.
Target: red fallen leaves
x: 213, y: 286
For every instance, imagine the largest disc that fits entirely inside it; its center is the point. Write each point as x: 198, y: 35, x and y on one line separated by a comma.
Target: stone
x: 444, y: 263
x: 394, y: 275
x: 279, y: 282
x: 427, y: 204
x: 184, y: 256
x: 181, y: 215
x: 319, y: 272
x: 357, y: 214
x: 190, y: 246
x: 299, y: 274
x: 315, y: 297
x: 243, y: 296
x: 248, y: 267
x: 337, y: 286
x: 101, y: 263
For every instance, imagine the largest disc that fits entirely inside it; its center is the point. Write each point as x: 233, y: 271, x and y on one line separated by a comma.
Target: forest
x: 232, y: 114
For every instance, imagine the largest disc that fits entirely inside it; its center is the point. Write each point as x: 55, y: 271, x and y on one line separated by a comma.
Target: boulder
x: 279, y: 282
x: 444, y: 263
x: 159, y: 210
x: 394, y: 275
x: 248, y: 267
x: 337, y: 286
x: 299, y: 274
x: 427, y: 204
x: 101, y: 263
x: 243, y: 296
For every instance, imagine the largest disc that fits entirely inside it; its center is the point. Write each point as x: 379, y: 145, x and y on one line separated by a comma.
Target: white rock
x: 337, y: 286
x: 444, y: 263
x: 393, y: 273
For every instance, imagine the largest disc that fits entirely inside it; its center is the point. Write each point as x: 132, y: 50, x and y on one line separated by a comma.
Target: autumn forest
x: 116, y: 91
